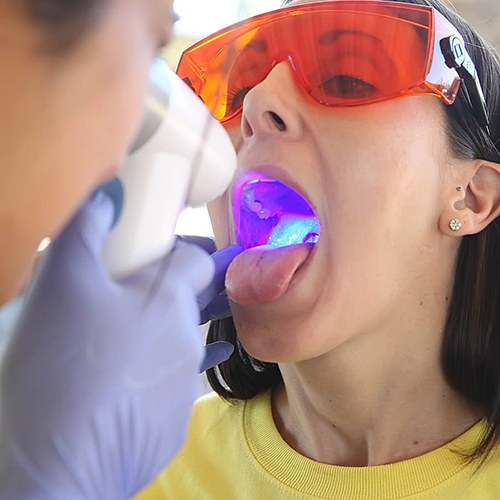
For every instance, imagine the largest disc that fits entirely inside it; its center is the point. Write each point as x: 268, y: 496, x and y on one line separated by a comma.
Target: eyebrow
x: 332, y: 36
x: 257, y: 45
x: 327, y: 38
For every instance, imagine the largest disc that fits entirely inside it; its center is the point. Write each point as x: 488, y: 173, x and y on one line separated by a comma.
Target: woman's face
x: 68, y: 118
x: 376, y: 176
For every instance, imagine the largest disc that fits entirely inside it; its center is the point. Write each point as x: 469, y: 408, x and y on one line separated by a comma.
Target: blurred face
x: 67, y: 119
x: 376, y: 177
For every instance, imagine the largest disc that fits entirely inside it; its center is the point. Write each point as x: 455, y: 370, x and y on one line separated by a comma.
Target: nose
x: 271, y: 107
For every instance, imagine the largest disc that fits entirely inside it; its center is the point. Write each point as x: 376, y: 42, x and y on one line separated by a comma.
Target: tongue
x: 263, y: 274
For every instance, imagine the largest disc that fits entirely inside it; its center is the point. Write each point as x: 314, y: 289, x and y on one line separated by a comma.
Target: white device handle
x: 182, y: 156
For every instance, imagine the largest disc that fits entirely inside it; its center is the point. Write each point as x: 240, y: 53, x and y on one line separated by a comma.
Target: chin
x: 273, y: 340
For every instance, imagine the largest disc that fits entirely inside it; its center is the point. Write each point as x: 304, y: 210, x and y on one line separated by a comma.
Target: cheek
x: 108, y: 119
x: 114, y: 84
x: 220, y: 210
x: 234, y: 131
x: 219, y: 217
x: 125, y: 112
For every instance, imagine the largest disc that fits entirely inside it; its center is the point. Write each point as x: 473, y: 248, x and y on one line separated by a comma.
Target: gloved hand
x: 213, y: 301
x: 99, y: 378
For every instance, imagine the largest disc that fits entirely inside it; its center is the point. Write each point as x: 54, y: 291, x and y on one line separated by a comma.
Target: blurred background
x: 199, y: 18
x: 484, y: 15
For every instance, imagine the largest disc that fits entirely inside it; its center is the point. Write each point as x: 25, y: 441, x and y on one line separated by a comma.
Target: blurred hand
x: 99, y: 378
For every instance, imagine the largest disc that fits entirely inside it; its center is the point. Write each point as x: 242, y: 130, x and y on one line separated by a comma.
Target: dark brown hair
x: 471, y: 343
x: 64, y: 22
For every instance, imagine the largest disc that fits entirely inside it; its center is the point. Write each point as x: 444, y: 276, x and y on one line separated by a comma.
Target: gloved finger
x: 221, y: 259
x: 89, y: 226
x: 193, y: 265
x: 208, y: 244
x: 218, y: 308
x: 114, y: 189
x: 216, y: 353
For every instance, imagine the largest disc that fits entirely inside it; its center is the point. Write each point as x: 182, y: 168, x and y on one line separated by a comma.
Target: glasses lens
x: 342, y: 53
x: 361, y: 57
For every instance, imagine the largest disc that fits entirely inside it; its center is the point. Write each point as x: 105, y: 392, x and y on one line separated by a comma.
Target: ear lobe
x: 479, y: 204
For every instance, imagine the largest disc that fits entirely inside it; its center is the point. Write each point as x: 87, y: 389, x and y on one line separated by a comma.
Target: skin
x: 67, y: 119
x: 358, y: 335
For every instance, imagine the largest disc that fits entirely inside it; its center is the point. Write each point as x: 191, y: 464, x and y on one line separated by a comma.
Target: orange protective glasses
x: 343, y: 53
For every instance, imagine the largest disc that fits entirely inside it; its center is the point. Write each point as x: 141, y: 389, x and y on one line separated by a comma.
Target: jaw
x: 220, y: 213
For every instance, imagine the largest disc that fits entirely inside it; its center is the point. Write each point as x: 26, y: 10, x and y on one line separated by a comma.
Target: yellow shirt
x: 235, y: 452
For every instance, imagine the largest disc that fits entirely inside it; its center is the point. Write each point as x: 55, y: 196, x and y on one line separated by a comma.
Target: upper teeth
x: 255, y: 205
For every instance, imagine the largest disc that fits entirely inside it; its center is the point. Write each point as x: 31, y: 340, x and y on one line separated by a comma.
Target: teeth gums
x: 268, y: 212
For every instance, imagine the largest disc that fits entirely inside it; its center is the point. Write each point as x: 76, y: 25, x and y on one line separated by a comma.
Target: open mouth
x: 278, y: 230
x: 268, y: 212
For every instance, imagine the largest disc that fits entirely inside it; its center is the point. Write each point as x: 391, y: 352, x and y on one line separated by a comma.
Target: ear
x: 476, y: 203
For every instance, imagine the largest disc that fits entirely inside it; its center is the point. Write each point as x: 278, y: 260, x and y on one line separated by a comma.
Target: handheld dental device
x: 181, y: 157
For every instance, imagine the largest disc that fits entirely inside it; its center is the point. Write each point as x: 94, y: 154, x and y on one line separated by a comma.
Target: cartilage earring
x: 455, y: 224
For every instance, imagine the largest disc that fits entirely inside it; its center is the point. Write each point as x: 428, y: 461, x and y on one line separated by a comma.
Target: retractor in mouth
x: 268, y: 212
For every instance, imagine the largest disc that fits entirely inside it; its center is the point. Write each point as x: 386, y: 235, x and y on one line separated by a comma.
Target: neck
x: 371, y: 401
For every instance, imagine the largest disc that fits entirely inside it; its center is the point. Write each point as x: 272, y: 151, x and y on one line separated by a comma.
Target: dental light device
x: 181, y: 157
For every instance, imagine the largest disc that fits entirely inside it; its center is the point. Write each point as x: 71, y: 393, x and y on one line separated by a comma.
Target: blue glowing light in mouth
x: 268, y: 212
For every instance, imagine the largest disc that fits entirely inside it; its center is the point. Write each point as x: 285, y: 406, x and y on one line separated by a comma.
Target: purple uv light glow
x: 268, y: 212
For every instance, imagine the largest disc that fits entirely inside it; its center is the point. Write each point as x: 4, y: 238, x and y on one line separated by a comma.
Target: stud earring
x: 455, y: 224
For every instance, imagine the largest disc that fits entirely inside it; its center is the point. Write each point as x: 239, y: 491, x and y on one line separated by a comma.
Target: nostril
x: 280, y: 124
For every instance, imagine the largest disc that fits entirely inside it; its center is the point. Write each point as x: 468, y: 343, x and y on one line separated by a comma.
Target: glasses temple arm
x: 457, y: 57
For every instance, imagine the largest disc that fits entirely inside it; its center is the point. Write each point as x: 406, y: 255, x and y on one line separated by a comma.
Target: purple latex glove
x: 99, y: 378
x: 213, y: 302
